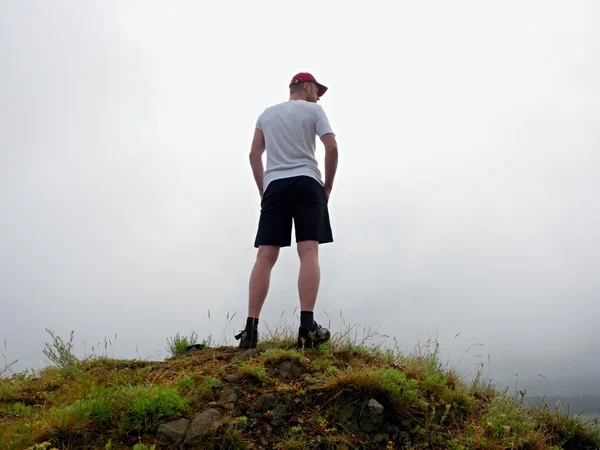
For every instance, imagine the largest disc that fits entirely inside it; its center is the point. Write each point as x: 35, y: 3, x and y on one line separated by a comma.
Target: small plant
x: 7, y: 366
x: 141, y: 446
x: 42, y: 446
x: 209, y: 384
x: 185, y: 383
x: 59, y: 352
x: 17, y: 409
x: 255, y: 372
x: 233, y: 437
x: 241, y: 422
x: 178, y: 345
x: 148, y: 406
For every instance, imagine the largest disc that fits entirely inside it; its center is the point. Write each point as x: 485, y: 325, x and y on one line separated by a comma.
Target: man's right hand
x: 327, y: 190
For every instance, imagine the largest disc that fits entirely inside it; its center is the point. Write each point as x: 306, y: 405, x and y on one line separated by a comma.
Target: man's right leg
x: 309, y: 276
x: 312, y: 229
x: 260, y: 278
x: 310, y: 333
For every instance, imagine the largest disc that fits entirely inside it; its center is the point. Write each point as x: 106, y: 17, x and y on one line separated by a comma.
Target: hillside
x: 344, y: 395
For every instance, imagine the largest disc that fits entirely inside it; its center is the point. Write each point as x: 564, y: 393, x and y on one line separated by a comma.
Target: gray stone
x: 279, y: 405
x: 172, y: 433
x: 375, y: 405
x: 232, y: 378
x: 204, y: 425
x: 347, y: 418
x: 289, y: 369
x: 230, y: 394
x: 371, y: 418
x: 381, y: 438
x: 244, y: 355
x: 195, y: 347
x: 267, y: 401
x: 279, y: 415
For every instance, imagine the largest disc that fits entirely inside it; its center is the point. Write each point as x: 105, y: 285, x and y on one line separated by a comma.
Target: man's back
x: 290, y: 129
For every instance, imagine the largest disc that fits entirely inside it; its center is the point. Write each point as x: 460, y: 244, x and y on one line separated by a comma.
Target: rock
x: 381, y: 438
x: 232, y: 378
x: 204, y: 425
x: 280, y: 406
x: 245, y: 355
x: 392, y: 428
x: 279, y: 415
x: 289, y: 369
x: 347, y: 418
x: 371, y: 418
x: 230, y: 394
x: 368, y: 419
x: 267, y: 401
x: 375, y: 405
x: 195, y: 347
x: 172, y: 433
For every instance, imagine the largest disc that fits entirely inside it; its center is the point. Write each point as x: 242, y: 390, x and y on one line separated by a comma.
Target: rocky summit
x: 342, y: 395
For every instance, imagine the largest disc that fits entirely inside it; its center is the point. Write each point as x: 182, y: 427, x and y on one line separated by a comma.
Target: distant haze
x: 466, y: 201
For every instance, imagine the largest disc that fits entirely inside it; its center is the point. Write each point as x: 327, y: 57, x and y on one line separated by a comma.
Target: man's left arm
x: 256, y: 151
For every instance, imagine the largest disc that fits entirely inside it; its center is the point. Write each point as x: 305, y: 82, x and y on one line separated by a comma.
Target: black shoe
x: 249, y: 338
x: 311, y: 339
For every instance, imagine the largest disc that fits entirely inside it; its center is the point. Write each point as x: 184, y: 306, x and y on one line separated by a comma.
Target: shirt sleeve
x: 322, y: 125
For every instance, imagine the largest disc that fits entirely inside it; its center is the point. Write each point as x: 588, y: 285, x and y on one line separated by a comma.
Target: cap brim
x: 322, y: 89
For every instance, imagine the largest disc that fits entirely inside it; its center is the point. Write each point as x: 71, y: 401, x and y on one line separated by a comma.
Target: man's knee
x: 308, y: 249
x: 268, y: 253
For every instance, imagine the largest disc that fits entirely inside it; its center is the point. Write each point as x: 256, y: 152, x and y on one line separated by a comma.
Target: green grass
x: 100, y: 402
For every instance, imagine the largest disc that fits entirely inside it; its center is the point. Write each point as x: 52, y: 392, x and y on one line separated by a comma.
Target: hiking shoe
x: 311, y: 339
x: 248, y: 338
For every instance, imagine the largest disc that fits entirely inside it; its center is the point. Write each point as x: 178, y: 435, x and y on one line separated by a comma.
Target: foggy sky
x: 466, y: 199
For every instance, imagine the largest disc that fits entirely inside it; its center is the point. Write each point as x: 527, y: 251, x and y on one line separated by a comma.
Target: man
x: 292, y: 188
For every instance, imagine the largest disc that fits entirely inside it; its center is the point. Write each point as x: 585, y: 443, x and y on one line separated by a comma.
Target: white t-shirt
x: 290, y: 129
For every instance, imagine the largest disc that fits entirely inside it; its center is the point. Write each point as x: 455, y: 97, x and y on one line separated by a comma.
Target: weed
x: 59, y: 352
x: 255, y: 373
x: 144, y: 447
x: 178, y: 345
x: 147, y: 407
x: 185, y: 383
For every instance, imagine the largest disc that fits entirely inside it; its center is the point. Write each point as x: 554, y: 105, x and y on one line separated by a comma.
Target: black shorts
x: 301, y: 198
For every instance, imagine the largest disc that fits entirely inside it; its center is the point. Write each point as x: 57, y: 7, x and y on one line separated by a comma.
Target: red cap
x: 304, y: 77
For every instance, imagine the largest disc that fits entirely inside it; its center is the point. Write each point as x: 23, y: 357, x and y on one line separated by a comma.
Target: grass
x: 350, y: 393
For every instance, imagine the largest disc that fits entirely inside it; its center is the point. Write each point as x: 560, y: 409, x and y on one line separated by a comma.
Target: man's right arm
x: 327, y: 136
x: 331, y: 160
